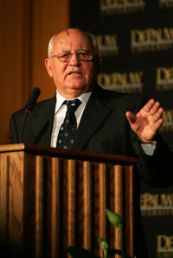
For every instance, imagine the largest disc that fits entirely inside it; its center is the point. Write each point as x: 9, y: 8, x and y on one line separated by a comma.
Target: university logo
x: 108, y: 44
x: 168, y: 121
x: 151, y: 39
x: 157, y: 204
x: 123, y: 82
x: 164, y: 246
x: 123, y: 6
x: 164, y: 78
x: 165, y: 3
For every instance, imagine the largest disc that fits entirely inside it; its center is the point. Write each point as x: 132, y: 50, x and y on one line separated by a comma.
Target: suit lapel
x: 40, y: 123
x: 93, y: 117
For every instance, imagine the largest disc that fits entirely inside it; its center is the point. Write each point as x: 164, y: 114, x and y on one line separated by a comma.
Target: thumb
x: 131, y: 117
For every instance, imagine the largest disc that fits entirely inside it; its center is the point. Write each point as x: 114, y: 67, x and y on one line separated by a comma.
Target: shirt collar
x: 60, y: 99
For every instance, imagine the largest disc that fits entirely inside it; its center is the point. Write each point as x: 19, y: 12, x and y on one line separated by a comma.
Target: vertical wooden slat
x: 4, y: 171
x: 87, y: 205
x: 38, y: 206
x: 71, y: 201
x: 55, y: 207
x: 102, y: 189
x: 129, y: 216
x: 117, y: 201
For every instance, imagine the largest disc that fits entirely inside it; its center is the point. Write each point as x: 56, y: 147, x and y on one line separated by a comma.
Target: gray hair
x: 91, y: 36
x: 50, y: 45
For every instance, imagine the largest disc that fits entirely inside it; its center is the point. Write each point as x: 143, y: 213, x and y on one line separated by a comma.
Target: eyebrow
x: 65, y: 50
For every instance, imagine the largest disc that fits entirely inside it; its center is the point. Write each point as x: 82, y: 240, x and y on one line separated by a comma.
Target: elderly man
x: 84, y: 116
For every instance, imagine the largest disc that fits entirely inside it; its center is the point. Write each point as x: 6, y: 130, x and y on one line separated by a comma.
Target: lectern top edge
x: 69, y: 154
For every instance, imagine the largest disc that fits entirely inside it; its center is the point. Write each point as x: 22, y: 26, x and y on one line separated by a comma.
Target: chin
x: 78, y: 87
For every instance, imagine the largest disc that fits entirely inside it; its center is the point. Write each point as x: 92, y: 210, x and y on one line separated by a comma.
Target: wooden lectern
x: 51, y: 199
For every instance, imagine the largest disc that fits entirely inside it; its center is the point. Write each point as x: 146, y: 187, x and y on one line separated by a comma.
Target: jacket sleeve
x: 157, y: 170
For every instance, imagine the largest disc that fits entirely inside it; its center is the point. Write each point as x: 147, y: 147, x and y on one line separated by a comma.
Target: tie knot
x: 72, y: 104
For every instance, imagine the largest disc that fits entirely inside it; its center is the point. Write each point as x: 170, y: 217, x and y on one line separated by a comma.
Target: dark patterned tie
x: 68, y: 128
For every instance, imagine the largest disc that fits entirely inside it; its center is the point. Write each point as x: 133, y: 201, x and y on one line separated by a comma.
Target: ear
x: 48, y: 65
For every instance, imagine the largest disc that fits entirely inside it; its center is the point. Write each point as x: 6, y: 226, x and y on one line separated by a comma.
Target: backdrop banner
x: 135, y: 39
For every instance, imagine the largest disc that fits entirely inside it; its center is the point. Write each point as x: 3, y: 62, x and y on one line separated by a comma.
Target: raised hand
x: 147, y: 121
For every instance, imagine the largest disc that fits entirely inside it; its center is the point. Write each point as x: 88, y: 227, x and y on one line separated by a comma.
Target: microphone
x: 32, y: 100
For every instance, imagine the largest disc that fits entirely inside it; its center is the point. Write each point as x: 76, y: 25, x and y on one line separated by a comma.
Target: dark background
x: 122, y: 18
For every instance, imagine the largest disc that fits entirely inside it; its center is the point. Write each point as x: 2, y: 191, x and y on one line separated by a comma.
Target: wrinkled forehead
x: 73, y: 40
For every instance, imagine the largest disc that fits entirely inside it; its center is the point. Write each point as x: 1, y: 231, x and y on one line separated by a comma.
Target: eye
x: 64, y: 56
x: 85, y: 55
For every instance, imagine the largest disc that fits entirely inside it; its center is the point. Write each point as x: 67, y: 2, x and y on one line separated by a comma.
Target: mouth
x: 75, y: 73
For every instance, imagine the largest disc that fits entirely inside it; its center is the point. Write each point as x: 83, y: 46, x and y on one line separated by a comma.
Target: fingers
x: 155, y: 118
x: 157, y: 124
x: 155, y: 108
x: 157, y: 114
x: 147, y: 107
x: 152, y: 107
x: 154, y: 111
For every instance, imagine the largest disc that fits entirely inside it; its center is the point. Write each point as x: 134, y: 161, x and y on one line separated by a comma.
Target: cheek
x: 58, y: 72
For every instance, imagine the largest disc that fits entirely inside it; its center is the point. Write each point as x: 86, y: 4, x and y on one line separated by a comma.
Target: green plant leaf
x: 103, y: 243
x: 104, y: 246
x: 114, y: 218
x: 80, y: 252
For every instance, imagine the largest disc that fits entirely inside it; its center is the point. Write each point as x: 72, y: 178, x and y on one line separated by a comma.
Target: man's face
x: 74, y: 76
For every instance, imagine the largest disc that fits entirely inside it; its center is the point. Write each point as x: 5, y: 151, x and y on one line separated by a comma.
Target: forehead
x: 72, y: 39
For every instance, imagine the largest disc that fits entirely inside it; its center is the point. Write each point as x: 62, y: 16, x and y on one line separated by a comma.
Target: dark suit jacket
x: 103, y: 128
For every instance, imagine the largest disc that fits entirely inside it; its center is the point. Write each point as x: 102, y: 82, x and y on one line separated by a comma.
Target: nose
x: 74, y: 60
